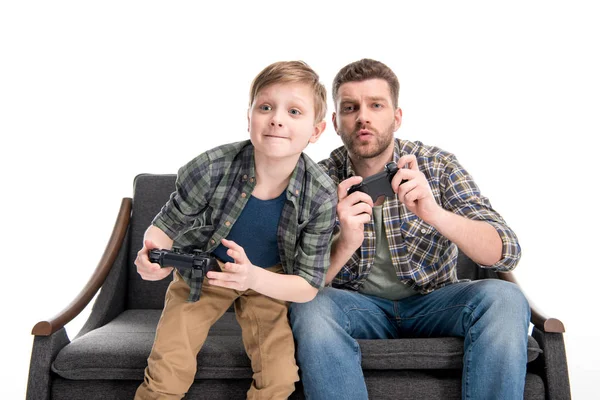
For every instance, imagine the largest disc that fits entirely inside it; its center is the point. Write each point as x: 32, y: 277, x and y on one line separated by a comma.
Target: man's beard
x: 358, y: 150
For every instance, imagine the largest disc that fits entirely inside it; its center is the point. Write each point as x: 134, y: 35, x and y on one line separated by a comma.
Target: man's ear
x: 397, y: 118
x: 248, y: 120
x: 319, y: 129
x: 334, y: 120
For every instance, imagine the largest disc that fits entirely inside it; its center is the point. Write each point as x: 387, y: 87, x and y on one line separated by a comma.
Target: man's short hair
x: 292, y: 72
x: 364, y: 69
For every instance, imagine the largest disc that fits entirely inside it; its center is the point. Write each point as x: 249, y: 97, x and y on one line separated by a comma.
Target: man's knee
x: 315, y: 318
x: 506, y: 304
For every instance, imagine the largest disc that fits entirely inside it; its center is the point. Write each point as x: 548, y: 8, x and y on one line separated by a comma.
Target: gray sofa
x: 106, y: 359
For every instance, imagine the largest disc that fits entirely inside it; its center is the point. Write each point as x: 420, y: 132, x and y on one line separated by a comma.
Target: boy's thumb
x: 149, y: 244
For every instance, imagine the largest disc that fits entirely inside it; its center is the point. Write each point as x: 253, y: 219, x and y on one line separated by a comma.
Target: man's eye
x: 295, y: 111
x: 348, y: 108
x: 377, y: 105
x: 265, y: 107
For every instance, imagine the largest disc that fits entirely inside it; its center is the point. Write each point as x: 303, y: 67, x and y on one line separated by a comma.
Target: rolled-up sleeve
x: 188, y: 200
x: 462, y: 196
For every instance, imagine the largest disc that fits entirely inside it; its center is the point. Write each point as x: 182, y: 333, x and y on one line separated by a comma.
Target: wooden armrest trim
x: 48, y: 327
x: 538, y: 319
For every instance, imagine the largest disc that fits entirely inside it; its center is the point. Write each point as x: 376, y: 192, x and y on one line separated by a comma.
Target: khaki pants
x: 183, y: 328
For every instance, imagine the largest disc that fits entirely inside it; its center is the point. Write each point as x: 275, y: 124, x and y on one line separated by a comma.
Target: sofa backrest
x: 150, y: 193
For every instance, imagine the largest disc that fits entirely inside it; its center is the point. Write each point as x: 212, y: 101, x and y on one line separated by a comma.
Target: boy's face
x: 281, y: 120
x: 365, y: 117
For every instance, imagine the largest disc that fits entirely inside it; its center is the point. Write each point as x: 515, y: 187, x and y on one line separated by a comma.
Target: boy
x: 266, y: 212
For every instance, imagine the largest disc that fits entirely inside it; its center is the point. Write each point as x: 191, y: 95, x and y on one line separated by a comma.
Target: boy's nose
x: 273, y: 123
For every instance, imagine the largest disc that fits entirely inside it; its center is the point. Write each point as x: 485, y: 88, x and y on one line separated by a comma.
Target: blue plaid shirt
x: 422, y: 257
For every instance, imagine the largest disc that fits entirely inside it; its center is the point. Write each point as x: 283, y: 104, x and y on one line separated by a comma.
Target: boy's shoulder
x: 223, y: 154
x: 226, y: 151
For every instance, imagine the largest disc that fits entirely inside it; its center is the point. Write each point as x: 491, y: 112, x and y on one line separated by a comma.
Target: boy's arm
x: 242, y: 275
x: 153, y: 238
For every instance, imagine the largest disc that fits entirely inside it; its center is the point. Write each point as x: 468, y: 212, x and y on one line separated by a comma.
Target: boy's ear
x: 319, y: 128
x: 248, y: 120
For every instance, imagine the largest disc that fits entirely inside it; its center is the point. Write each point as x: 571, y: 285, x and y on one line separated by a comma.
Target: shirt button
x: 423, y: 231
x: 297, y: 192
x: 227, y: 223
x: 244, y: 195
x: 212, y: 241
x: 252, y: 180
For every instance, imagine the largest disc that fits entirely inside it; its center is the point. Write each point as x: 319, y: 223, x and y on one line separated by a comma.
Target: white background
x: 93, y: 93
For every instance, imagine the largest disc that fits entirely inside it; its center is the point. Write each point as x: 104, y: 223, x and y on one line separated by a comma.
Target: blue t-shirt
x: 256, y: 231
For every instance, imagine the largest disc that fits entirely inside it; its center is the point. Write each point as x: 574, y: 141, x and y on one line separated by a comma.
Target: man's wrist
x: 440, y: 218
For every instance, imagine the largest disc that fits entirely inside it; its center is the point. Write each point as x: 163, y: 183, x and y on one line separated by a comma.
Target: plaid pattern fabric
x: 212, y: 190
x: 422, y: 257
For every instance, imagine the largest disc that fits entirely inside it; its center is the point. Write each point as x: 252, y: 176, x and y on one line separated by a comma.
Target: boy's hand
x: 147, y: 270
x: 238, y: 275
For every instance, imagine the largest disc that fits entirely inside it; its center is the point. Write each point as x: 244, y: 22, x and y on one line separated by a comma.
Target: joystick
x: 198, y: 261
x: 379, y: 184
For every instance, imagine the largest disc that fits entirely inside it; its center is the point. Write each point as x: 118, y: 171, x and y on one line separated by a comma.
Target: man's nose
x: 362, y: 117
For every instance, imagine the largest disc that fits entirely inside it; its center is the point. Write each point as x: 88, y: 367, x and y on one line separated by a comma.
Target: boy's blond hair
x: 292, y: 72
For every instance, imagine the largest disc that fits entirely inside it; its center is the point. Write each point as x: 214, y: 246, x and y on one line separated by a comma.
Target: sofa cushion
x: 119, y: 350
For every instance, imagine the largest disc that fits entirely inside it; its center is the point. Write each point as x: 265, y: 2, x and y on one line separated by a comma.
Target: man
x: 393, y: 262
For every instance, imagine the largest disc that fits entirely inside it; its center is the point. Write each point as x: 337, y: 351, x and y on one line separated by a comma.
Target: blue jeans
x: 492, y: 315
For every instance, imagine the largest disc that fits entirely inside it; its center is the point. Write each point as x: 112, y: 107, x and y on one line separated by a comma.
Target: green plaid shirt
x: 422, y: 257
x: 212, y: 190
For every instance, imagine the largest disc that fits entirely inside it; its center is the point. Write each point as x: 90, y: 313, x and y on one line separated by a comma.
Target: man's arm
x: 479, y: 240
x: 353, y: 212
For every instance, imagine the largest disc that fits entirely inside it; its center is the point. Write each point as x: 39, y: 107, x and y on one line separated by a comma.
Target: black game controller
x: 198, y: 261
x: 379, y: 184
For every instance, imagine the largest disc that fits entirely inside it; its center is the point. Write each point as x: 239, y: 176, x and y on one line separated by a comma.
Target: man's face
x: 365, y: 117
x: 281, y: 120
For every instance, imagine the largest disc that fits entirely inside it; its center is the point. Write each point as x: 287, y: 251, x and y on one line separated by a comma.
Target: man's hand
x: 147, y: 270
x: 238, y: 275
x: 415, y: 193
x: 353, y: 211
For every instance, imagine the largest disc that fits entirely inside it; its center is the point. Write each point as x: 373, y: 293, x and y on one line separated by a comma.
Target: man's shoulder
x: 423, y: 151
x: 333, y: 166
x: 317, y: 175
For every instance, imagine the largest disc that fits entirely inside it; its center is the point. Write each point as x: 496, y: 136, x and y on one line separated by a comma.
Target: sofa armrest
x: 48, y: 327
x: 539, y: 320
x: 43, y: 353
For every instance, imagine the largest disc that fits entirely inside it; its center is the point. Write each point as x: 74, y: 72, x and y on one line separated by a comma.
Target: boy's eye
x: 295, y: 111
x: 265, y: 107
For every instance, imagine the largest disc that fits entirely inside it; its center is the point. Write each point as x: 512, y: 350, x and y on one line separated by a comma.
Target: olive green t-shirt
x: 382, y: 280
